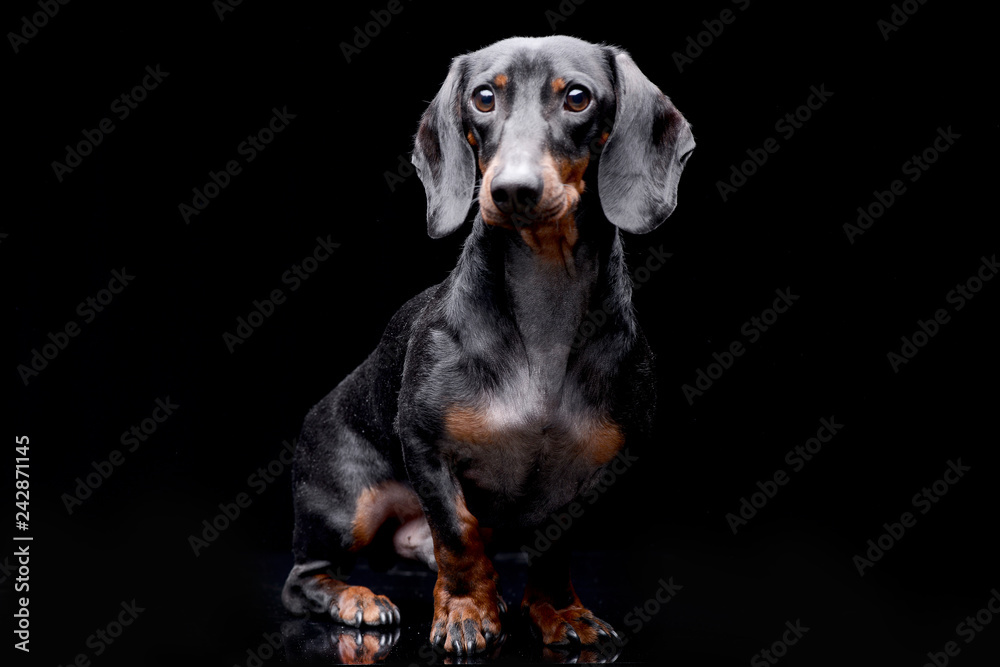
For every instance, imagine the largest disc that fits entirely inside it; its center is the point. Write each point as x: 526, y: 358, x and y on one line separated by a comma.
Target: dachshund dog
x: 482, y: 409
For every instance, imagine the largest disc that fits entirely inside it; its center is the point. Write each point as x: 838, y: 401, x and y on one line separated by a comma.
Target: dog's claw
x: 465, y: 627
x: 570, y: 626
x: 438, y: 636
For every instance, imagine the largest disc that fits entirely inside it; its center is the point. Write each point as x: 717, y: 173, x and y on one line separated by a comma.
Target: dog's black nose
x: 516, y: 189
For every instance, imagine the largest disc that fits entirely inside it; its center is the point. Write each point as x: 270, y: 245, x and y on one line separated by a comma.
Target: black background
x: 324, y: 176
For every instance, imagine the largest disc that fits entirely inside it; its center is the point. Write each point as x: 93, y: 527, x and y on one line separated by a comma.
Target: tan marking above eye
x: 558, y: 85
x: 500, y: 80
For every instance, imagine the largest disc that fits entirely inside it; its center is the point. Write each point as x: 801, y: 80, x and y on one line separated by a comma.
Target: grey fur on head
x: 639, y: 167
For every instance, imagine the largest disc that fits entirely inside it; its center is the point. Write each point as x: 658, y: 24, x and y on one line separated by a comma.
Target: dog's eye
x: 483, y: 99
x: 577, y: 99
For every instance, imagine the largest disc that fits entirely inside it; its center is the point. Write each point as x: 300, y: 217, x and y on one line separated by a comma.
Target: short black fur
x: 496, y: 350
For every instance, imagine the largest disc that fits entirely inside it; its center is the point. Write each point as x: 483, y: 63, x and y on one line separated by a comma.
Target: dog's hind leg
x: 344, y: 492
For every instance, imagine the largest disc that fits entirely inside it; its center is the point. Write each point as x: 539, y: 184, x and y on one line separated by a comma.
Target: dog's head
x: 534, y: 113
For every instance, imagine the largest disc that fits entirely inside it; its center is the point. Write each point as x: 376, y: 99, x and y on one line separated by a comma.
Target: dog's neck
x: 549, y: 295
x: 536, y: 299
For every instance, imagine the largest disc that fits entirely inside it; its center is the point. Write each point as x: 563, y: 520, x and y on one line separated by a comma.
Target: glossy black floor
x: 684, y: 606
x: 719, y: 619
x: 409, y: 585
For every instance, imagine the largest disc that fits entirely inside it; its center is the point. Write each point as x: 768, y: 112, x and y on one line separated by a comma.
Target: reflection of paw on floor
x: 307, y: 640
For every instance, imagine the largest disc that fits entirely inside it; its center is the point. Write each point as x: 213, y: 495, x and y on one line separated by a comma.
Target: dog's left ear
x: 444, y: 159
x: 644, y: 156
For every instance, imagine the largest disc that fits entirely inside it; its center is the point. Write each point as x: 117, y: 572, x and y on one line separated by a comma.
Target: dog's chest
x: 522, y: 439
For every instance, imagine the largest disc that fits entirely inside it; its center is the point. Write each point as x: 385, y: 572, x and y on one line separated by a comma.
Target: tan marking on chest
x: 606, y: 439
x: 466, y: 424
x: 596, y: 440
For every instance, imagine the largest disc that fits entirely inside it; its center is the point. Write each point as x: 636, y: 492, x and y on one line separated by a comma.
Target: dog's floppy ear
x: 443, y: 157
x: 642, y: 160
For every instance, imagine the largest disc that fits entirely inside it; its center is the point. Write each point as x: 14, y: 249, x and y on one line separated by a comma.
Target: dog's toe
x: 574, y: 625
x: 357, y: 606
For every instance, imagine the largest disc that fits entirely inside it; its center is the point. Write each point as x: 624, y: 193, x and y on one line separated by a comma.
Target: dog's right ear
x: 444, y: 159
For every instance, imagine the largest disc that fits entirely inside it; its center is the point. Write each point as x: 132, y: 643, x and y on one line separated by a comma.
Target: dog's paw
x: 571, y: 626
x: 357, y: 606
x: 466, y: 624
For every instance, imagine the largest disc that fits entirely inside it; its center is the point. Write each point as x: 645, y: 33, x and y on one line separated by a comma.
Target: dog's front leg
x: 554, y: 610
x: 467, y: 605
